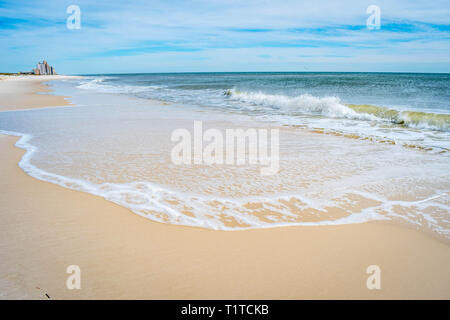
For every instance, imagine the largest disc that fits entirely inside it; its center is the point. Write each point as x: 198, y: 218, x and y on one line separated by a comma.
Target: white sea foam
x: 305, y: 103
x: 167, y: 206
x: 99, y: 85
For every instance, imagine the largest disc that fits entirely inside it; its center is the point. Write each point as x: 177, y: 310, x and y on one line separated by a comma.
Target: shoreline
x: 123, y: 255
x: 32, y: 93
x: 28, y: 150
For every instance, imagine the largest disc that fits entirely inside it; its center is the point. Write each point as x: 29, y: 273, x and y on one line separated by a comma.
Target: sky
x: 136, y: 36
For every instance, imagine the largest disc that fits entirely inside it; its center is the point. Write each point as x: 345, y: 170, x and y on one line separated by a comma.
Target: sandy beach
x: 44, y: 228
x: 20, y: 92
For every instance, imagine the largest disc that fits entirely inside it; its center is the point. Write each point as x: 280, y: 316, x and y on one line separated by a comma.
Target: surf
x: 413, y: 119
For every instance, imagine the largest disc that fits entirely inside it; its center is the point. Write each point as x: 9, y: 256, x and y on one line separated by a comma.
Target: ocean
x: 414, y: 107
x: 354, y: 147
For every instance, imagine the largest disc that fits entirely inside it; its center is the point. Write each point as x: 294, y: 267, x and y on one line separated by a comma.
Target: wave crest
x: 332, y: 107
x: 414, y: 119
x: 305, y: 103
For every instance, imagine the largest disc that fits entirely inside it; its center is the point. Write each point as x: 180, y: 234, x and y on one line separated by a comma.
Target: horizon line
x: 205, y: 72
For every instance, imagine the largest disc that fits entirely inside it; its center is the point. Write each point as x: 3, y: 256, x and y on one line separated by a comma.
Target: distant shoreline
x: 23, y: 96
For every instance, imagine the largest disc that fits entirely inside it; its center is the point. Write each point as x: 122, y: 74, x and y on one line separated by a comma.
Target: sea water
x: 354, y: 147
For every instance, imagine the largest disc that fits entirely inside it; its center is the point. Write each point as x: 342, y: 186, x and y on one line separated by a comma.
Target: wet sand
x: 19, y: 92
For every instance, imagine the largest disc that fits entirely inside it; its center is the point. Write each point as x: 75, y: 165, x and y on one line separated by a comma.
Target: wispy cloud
x: 155, y: 36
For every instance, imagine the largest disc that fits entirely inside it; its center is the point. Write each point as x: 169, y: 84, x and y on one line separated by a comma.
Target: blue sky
x: 200, y: 36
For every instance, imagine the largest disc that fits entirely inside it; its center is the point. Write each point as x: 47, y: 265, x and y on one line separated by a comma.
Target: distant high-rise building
x: 44, y: 68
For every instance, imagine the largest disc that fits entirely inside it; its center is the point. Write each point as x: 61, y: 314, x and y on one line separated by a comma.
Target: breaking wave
x: 413, y: 119
x: 332, y: 107
x: 99, y: 85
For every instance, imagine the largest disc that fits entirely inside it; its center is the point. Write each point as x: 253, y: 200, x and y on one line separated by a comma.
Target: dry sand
x: 45, y: 228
